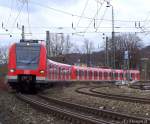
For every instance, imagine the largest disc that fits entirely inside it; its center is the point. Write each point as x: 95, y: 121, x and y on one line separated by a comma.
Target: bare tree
x: 88, y: 47
x: 68, y: 45
x: 3, y: 54
x: 59, y: 44
x: 126, y: 42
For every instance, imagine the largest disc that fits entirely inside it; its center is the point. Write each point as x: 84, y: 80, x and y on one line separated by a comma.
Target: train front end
x: 26, y: 66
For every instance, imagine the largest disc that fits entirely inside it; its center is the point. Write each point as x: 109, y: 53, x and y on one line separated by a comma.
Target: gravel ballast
x: 69, y: 94
x: 14, y: 111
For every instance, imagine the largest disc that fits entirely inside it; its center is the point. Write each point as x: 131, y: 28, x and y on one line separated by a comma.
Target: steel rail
x: 121, y: 97
x: 126, y: 98
x: 115, y: 116
x: 65, y: 114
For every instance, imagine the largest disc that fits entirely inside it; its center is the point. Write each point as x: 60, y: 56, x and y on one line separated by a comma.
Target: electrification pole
x: 113, y: 40
x: 23, y: 36
x: 113, y: 36
x: 48, y: 43
x: 106, y: 54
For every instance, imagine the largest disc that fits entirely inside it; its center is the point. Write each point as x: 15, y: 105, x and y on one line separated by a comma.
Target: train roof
x: 27, y: 44
x: 106, y: 69
x: 58, y: 64
x: 91, y: 68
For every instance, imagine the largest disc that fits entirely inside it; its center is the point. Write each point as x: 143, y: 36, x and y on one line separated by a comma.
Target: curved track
x: 92, y: 92
x: 144, y: 85
x: 79, y: 113
x: 74, y: 117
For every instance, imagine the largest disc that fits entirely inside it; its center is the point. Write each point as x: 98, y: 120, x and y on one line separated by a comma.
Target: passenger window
x: 95, y: 74
x: 105, y: 74
x: 81, y: 73
x: 90, y: 73
x: 100, y: 74
x: 121, y: 75
x: 116, y: 75
x: 85, y: 72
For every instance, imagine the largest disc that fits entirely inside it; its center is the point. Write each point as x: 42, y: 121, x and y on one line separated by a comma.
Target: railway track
x: 74, y: 117
x: 92, y: 92
x: 80, y: 114
x: 143, y: 85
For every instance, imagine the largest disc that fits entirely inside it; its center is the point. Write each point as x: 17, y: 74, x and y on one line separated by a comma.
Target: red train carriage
x: 58, y: 71
x: 29, y: 66
x: 26, y: 64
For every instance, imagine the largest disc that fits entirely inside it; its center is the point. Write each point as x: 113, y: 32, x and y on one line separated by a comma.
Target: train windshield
x: 27, y: 56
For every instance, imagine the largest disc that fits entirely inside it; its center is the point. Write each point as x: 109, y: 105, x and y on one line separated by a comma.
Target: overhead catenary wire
x: 72, y: 33
x: 11, y: 10
x: 79, y: 16
x: 27, y: 2
x: 93, y: 18
x: 86, y: 3
x: 21, y: 8
x: 101, y: 20
x: 69, y: 27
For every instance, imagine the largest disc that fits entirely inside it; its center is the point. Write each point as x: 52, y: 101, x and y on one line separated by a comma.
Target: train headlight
x: 12, y: 70
x: 42, y: 72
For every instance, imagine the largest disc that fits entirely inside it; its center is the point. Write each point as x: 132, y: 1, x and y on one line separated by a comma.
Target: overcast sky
x: 59, y: 15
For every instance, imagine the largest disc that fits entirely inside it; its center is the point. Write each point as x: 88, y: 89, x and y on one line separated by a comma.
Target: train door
x: 132, y: 76
x: 121, y: 76
x: 116, y: 75
x: 105, y: 75
x: 95, y: 75
x: 137, y: 76
x: 85, y: 75
x: 59, y: 73
x: 81, y: 74
x: 52, y: 72
x: 48, y: 71
x: 90, y: 74
x: 55, y: 72
x: 62, y: 74
x: 73, y: 73
x: 67, y: 73
x: 100, y: 75
x: 77, y: 72
x: 109, y: 76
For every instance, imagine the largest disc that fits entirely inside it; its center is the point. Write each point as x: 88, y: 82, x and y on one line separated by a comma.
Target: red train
x: 28, y: 66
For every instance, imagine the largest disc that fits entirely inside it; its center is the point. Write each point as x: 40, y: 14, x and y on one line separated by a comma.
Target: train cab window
x: 27, y: 57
